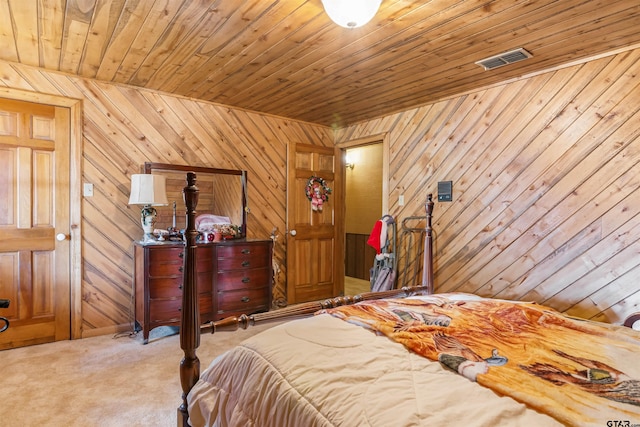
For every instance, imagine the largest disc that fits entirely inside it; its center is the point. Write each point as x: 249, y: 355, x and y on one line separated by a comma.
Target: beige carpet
x: 101, y: 381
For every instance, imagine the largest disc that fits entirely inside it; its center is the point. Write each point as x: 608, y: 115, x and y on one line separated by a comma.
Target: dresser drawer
x: 243, y: 279
x: 161, y: 255
x: 165, y: 268
x: 242, y: 249
x: 242, y: 256
x: 166, y: 310
x: 171, y: 287
x: 176, y: 267
x: 243, y: 300
x: 165, y: 287
x: 241, y: 262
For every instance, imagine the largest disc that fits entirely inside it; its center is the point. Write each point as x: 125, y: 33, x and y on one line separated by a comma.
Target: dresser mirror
x: 223, y: 192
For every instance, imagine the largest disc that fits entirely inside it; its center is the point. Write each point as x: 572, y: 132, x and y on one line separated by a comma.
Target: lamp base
x: 148, y: 217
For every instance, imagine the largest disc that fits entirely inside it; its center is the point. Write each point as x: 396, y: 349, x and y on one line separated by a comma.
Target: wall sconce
x: 351, y: 13
x: 349, y: 162
x: 148, y: 190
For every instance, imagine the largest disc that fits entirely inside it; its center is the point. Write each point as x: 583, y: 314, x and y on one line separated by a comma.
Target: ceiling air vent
x: 504, y: 59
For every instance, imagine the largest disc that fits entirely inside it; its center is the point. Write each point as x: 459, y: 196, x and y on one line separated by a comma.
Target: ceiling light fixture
x: 351, y: 13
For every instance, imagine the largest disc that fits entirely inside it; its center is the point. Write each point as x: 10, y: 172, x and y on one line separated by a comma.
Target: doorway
x: 366, y: 200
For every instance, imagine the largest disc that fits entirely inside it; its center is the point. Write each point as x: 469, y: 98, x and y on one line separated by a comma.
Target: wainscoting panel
x: 359, y: 257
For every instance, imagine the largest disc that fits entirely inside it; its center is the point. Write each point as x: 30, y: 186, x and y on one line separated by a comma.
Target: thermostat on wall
x: 445, y: 191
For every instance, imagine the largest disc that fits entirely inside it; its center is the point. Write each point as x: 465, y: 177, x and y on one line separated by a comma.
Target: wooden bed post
x: 190, y: 319
x: 427, y: 260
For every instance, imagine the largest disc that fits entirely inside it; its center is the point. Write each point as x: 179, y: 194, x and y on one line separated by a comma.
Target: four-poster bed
x: 325, y: 370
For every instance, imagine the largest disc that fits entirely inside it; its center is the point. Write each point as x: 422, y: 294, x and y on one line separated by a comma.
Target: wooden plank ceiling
x: 288, y: 59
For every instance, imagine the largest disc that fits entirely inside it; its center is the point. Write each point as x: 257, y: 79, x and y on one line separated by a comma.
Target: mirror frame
x: 149, y: 167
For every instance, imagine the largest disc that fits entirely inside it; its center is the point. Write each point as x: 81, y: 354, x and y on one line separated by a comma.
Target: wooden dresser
x: 243, y: 277
x: 234, y: 277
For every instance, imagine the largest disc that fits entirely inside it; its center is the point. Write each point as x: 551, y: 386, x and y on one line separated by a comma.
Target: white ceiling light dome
x: 351, y: 13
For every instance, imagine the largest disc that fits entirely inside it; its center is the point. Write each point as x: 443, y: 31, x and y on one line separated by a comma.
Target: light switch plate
x: 87, y: 189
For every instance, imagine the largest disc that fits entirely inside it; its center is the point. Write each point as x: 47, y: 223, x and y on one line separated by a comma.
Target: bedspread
x: 321, y: 371
x: 579, y: 372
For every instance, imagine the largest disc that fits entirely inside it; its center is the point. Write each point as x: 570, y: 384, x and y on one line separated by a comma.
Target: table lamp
x: 148, y: 190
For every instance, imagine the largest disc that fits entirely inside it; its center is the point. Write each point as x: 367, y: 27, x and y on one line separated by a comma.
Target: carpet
x: 102, y: 381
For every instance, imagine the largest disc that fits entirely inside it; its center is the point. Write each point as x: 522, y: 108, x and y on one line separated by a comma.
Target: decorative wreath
x: 317, y: 192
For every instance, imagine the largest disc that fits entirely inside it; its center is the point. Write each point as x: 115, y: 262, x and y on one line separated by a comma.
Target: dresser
x: 242, y: 277
x: 233, y: 277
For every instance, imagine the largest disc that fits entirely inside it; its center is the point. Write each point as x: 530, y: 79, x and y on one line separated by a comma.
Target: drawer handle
x: 245, y: 263
x: 181, y: 255
x: 180, y: 269
x: 245, y: 299
x: 246, y: 280
x: 246, y: 251
x: 179, y: 286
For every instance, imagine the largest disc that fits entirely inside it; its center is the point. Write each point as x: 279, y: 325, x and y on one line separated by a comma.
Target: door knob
x: 293, y: 232
x: 61, y: 236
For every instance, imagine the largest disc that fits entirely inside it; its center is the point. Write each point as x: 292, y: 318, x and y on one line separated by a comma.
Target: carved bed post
x: 190, y: 320
x: 427, y: 260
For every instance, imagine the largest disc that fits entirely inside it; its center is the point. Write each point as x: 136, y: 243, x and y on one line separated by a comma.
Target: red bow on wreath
x: 317, y: 192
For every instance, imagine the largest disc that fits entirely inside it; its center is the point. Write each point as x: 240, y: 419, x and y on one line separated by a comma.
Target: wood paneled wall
x: 546, y: 186
x: 125, y: 127
x: 544, y: 168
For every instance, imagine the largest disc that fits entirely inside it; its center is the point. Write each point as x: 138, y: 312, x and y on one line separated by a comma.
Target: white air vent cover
x: 504, y: 59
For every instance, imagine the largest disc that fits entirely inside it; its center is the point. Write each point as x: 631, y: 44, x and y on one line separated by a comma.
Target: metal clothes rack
x: 411, y: 249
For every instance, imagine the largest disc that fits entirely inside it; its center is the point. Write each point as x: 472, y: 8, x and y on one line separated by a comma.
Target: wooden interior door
x: 315, y: 247
x: 34, y: 222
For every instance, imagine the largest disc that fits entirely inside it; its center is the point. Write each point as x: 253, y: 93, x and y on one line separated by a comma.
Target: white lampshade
x: 351, y: 13
x: 148, y: 189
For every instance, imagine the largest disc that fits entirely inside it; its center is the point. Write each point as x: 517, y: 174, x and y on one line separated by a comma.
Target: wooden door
x: 315, y: 248
x: 34, y: 222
